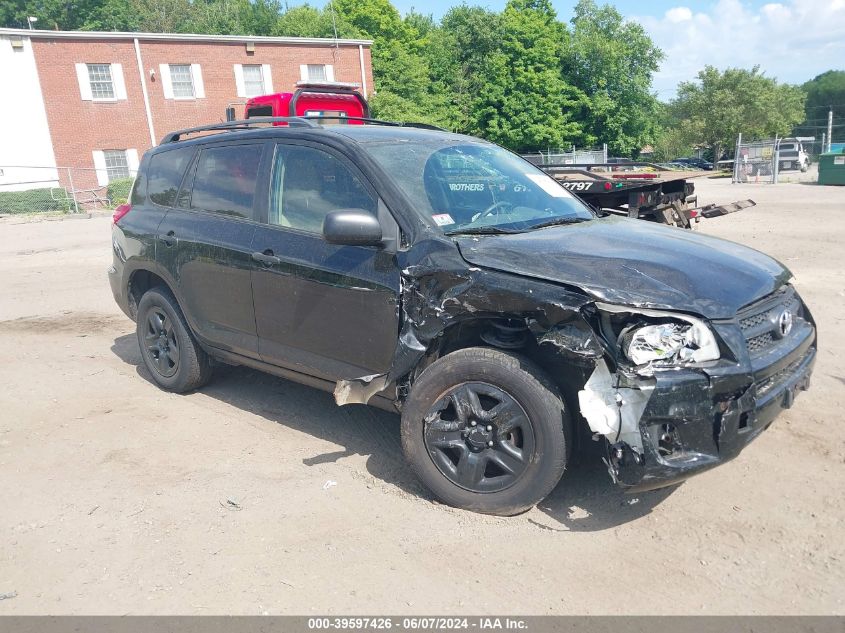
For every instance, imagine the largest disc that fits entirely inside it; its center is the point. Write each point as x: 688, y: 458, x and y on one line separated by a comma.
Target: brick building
x: 99, y: 100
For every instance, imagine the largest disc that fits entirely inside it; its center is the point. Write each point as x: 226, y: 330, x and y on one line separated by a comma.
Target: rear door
x: 205, y: 244
x: 323, y: 309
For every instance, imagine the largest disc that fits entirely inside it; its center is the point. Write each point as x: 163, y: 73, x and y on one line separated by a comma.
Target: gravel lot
x: 116, y: 495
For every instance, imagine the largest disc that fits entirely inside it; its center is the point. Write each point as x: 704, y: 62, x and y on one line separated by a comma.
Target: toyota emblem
x: 785, y: 323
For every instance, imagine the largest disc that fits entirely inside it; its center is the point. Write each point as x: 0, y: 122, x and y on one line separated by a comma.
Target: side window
x: 308, y: 183
x: 225, y: 180
x: 164, y: 175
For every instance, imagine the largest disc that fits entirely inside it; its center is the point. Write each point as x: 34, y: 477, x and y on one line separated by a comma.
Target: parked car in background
x: 698, y: 163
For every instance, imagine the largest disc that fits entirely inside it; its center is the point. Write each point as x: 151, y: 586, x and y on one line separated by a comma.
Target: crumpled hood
x: 636, y: 263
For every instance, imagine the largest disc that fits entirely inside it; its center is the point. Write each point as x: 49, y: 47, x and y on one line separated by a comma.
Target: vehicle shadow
x: 585, y: 499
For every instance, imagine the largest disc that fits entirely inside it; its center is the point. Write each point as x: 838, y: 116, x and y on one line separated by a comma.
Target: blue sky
x: 791, y: 40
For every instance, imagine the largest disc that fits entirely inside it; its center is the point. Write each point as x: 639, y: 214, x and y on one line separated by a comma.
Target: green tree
x: 612, y: 61
x: 113, y: 15
x: 67, y: 15
x: 306, y: 21
x: 721, y: 105
x: 458, y: 54
x: 528, y: 104
x: 824, y: 92
x: 163, y: 16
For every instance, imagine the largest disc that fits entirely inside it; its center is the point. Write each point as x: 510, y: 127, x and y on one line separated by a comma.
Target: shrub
x: 34, y: 201
x: 118, y: 190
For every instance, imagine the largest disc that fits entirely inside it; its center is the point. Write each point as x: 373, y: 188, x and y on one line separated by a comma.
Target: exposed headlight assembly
x: 670, y: 342
x: 667, y: 339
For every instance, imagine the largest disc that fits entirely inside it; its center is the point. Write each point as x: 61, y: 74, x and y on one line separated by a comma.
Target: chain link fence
x: 571, y: 157
x: 25, y: 189
x: 756, y: 161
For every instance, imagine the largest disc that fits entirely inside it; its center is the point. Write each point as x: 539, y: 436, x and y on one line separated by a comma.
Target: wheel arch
x: 561, y: 357
x: 143, y: 278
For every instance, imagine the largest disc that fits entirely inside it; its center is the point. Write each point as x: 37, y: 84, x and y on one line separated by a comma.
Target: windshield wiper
x: 557, y: 222
x: 481, y: 230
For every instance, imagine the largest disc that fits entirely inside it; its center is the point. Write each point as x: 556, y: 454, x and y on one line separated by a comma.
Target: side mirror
x: 352, y: 227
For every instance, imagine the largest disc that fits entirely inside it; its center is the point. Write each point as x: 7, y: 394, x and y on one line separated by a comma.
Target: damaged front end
x: 676, y: 396
x: 669, y: 394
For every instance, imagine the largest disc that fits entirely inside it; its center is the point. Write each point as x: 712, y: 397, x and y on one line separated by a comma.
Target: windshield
x: 466, y: 187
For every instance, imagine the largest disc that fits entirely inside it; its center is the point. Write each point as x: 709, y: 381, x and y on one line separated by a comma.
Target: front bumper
x: 697, y: 419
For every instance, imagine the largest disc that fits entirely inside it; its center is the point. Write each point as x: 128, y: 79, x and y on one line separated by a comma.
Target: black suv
x: 446, y: 278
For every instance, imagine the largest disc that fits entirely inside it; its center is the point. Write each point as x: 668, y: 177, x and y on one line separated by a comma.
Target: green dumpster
x: 832, y: 168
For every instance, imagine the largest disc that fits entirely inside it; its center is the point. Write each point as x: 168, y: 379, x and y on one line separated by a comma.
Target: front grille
x: 760, y: 322
x: 749, y: 322
x: 760, y: 343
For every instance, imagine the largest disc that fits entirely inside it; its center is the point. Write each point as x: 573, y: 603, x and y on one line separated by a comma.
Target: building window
x: 317, y: 72
x: 182, y: 81
x: 116, y: 164
x: 253, y: 80
x: 100, y: 80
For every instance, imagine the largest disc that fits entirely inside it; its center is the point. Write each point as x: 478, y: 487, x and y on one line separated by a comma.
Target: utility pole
x: 829, y: 127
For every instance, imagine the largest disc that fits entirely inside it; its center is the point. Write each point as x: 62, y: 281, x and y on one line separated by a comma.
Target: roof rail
x: 293, y: 121
x: 424, y: 126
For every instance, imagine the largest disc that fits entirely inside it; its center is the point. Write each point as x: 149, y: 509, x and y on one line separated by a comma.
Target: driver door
x: 323, y: 309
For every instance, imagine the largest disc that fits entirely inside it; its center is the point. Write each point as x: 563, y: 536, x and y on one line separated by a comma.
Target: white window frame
x: 117, y: 81
x: 266, y: 80
x: 305, y: 74
x: 167, y: 82
x: 101, y: 167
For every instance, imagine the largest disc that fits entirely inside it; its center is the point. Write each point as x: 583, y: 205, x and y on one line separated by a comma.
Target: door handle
x: 169, y: 239
x: 267, y: 258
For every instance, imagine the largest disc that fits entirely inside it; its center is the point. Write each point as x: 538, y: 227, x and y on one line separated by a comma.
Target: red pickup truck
x: 327, y: 100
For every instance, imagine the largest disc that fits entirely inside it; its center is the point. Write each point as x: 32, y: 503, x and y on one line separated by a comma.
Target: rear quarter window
x: 225, y: 180
x: 165, y: 173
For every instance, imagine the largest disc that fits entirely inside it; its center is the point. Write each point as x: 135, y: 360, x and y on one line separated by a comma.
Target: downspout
x: 144, y: 92
x: 363, y: 71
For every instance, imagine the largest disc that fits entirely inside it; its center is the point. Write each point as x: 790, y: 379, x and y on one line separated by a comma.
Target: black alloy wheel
x: 479, y: 437
x: 169, y: 349
x: 486, y: 430
x: 162, y: 346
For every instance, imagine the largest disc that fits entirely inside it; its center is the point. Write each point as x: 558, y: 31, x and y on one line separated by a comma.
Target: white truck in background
x: 791, y: 155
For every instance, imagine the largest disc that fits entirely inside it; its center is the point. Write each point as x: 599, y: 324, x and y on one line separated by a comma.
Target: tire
x: 454, y: 458
x: 173, y: 357
x: 804, y: 167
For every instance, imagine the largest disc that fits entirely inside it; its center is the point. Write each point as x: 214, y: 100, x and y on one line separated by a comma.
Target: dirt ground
x: 257, y: 495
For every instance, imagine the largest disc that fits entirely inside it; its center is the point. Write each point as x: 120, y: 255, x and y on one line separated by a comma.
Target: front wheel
x: 486, y: 431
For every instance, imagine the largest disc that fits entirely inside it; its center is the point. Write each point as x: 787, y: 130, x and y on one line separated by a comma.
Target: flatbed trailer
x: 640, y: 190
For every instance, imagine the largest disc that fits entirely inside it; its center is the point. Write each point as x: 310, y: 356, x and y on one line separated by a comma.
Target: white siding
x: 24, y: 133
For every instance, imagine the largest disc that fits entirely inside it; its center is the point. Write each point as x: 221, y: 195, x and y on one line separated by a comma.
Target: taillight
x: 120, y: 212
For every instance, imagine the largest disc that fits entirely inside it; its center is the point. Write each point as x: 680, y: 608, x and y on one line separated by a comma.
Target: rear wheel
x: 169, y: 349
x: 486, y: 431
